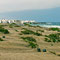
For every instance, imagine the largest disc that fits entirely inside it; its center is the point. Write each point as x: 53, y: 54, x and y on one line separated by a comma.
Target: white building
x: 16, y: 21
x: 3, y: 21
x: 7, y: 21
x: 11, y: 21
x: 0, y: 21
x: 27, y: 21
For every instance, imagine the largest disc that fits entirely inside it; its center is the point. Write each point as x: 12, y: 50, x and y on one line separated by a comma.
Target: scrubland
x: 22, y: 42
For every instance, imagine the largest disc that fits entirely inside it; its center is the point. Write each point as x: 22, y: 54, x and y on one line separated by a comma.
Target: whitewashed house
x: 16, y: 21
x: 27, y: 21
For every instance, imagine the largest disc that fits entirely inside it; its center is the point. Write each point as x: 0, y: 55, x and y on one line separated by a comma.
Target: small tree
x: 1, y: 39
x: 6, y: 31
x: 3, y: 36
x: 33, y: 45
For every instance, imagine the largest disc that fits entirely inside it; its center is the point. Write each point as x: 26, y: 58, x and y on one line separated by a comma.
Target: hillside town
x: 16, y: 21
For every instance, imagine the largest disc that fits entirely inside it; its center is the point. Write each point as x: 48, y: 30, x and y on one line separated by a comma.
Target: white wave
x: 50, y: 26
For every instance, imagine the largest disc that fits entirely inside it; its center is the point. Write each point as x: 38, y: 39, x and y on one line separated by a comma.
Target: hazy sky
x: 18, y: 5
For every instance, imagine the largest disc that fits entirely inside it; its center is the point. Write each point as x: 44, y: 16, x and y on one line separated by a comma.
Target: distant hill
x: 47, y: 15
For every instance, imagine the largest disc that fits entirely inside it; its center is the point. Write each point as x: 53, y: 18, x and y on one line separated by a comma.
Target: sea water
x: 48, y: 24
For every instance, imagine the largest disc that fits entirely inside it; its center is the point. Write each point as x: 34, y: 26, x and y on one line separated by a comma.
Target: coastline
x: 48, y: 24
x: 51, y: 26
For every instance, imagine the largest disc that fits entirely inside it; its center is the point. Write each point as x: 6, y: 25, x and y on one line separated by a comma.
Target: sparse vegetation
x: 5, y: 31
x: 51, y: 44
x: 13, y: 25
x: 38, y: 34
x: 53, y: 38
x: 1, y: 26
x: 41, y: 30
x: 28, y: 39
x: 31, y: 32
x: 10, y: 26
x: 55, y: 29
x: 53, y: 52
x: 33, y: 45
x: 20, y: 34
x: 27, y: 32
x: 16, y: 30
x: 31, y: 41
x: 58, y: 54
x: 47, y: 40
x: 1, y: 39
x: 3, y: 36
x: 27, y: 24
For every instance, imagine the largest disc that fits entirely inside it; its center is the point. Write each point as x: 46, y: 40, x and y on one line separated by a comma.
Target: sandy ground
x: 14, y: 48
x: 28, y: 56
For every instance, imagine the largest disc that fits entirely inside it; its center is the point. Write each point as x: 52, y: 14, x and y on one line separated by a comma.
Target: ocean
x: 47, y: 24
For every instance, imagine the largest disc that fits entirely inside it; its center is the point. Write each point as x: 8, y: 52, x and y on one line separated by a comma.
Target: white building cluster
x: 16, y: 21
x: 7, y: 21
x: 27, y: 21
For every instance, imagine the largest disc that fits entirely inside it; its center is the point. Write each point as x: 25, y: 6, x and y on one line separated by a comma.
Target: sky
x: 39, y: 10
x: 19, y: 5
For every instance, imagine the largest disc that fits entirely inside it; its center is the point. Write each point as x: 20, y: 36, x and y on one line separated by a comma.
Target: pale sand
x: 28, y: 56
x: 14, y: 48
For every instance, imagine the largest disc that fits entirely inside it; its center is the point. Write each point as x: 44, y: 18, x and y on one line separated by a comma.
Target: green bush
x: 41, y: 30
x: 20, y: 34
x: 53, y: 38
x: 46, y: 36
x: 27, y: 31
x: 55, y: 29
x: 38, y: 34
x: 1, y: 26
x: 13, y: 25
x: 28, y: 39
x: 30, y: 32
x: 1, y: 39
x: 58, y: 54
x: 46, y: 39
x: 3, y: 36
x: 51, y: 44
x: 27, y: 24
x: 5, y: 31
x: 10, y: 26
x: 49, y: 41
x: 58, y: 40
x: 16, y: 30
x: 33, y: 45
x: 31, y: 41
